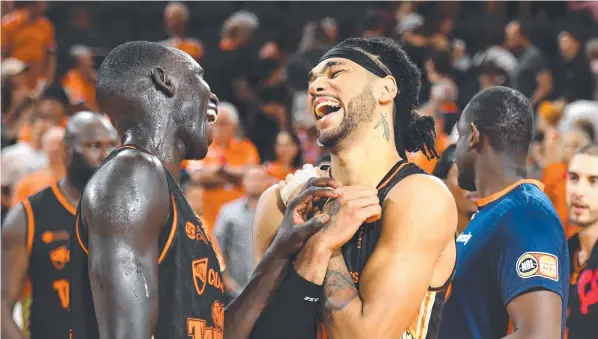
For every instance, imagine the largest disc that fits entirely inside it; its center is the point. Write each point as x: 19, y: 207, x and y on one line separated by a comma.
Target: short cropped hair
x: 591, y: 149
x: 505, y: 116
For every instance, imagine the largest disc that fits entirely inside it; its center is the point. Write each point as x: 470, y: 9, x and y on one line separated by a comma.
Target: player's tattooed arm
x: 339, y: 289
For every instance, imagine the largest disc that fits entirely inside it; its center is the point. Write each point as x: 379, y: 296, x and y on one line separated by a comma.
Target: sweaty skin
x: 126, y: 204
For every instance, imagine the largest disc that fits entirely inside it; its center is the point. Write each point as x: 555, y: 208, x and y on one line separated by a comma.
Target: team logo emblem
x: 59, y: 257
x: 200, y: 274
x: 538, y: 264
x: 218, y: 315
x: 190, y: 230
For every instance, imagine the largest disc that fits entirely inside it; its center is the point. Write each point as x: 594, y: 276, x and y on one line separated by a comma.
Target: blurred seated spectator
x: 573, y: 78
x: 221, y: 172
x: 555, y: 173
x: 15, y: 95
x: 234, y: 228
x: 51, y: 107
x: 176, y: 16
x: 288, y: 156
x: 29, y: 36
x: 579, y: 110
x: 79, y: 82
x: 53, y: 147
x: 592, y: 55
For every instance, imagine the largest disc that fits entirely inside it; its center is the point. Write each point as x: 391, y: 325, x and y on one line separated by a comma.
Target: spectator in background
x: 51, y: 107
x: 80, y: 81
x: 288, y: 156
x: 27, y: 35
x: 574, y: 80
x: 233, y: 231
x: 53, y: 147
x: 532, y: 76
x: 176, y: 16
x: 444, y: 92
x: 446, y: 170
x: 592, y: 54
x: 15, y: 96
x: 221, y: 172
x: 554, y: 175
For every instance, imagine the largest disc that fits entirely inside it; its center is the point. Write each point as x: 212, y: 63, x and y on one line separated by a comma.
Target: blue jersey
x: 513, y: 245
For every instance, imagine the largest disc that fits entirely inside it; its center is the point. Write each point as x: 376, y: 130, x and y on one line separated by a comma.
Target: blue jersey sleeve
x: 532, y: 253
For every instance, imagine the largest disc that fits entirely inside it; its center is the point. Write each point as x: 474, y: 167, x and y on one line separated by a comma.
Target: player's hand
x: 296, y: 227
x: 354, y: 206
x: 299, y: 181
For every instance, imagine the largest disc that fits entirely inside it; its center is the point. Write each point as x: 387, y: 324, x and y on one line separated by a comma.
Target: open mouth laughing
x: 325, y: 105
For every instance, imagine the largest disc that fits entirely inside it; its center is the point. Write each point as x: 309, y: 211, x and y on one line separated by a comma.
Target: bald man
x: 36, y: 233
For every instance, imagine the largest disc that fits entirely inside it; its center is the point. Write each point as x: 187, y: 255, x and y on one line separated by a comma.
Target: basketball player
x: 389, y: 279
x: 512, y: 260
x: 142, y: 263
x: 582, y: 197
x: 35, y: 237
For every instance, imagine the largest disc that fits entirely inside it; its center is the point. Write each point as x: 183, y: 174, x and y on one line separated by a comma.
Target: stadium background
x: 257, y: 55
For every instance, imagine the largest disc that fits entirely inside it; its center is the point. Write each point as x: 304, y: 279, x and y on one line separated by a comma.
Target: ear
x: 389, y: 90
x: 474, y: 137
x: 163, y: 81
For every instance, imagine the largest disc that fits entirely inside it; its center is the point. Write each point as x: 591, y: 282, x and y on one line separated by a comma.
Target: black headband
x: 357, y: 57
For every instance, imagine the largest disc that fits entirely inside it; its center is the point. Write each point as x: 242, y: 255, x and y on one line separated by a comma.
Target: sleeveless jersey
x: 190, y: 286
x: 583, y: 293
x: 50, y: 219
x: 359, y: 249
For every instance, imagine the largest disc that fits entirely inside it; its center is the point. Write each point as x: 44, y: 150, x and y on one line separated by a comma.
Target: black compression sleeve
x: 292, y: 312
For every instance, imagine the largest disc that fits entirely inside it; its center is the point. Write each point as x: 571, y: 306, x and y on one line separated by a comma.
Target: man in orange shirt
x: 35, y: 182
x: 29, y: 36
x: 80, y: 81
x: 176, y: 15
x: 221, y: 172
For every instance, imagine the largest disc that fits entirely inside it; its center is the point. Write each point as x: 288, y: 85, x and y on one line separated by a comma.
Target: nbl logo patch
x: 538, y: 264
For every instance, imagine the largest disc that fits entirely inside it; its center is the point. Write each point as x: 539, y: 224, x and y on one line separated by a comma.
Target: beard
x: 79, y: 170
x: 591, y: 221
x: 360, y: 109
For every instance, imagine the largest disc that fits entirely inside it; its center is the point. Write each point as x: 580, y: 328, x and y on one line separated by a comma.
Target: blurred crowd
x: 257, y: 57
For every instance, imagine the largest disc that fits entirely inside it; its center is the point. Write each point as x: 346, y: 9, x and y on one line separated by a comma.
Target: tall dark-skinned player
x: 143, y: 265
x: 35, y: 236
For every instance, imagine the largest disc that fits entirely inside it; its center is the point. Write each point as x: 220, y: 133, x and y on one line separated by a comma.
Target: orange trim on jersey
x: 425, y: 314
x: 79, y: 237
x: 30, y: 225
x: 172, y: 232
x: 62, y: 199
x: 495, y: 196
x: 577, y: 268
x: 381, y: 186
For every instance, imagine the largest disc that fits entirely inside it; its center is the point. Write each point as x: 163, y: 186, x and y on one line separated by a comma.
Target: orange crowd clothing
x: 190, y: 46
x: 33, y: 183
x: 239, y: 152
x: 24, y: 134
x: 277, y: 171
x: 30, y: 40
x: 442, y: 142
x: 79, y: 89
x: 554, y: 178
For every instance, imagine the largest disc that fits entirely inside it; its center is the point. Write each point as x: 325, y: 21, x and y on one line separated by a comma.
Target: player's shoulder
x: 421, y: 187
x: 532, y: 215
x: 39, y: 198
x: 130, y: 174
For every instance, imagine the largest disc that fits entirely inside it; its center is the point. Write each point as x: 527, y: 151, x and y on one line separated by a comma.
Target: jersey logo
x: 218, y: 315
x: 195, y: 232
x: 464, y: 238
x: 587, y: 289
x: 48, y: 237
x: 538, y: 264
x: 200, y: 274
x: 59, y: 257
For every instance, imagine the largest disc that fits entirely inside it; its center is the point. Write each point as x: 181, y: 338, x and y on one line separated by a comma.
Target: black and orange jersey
x: 190, y: 285
x: 359, y: 249
x: 582, y: 321
x: 50, y: 219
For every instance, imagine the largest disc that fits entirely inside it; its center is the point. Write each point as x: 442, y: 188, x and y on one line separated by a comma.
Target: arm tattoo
x: 384, y: 123
x: 339, y: 289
